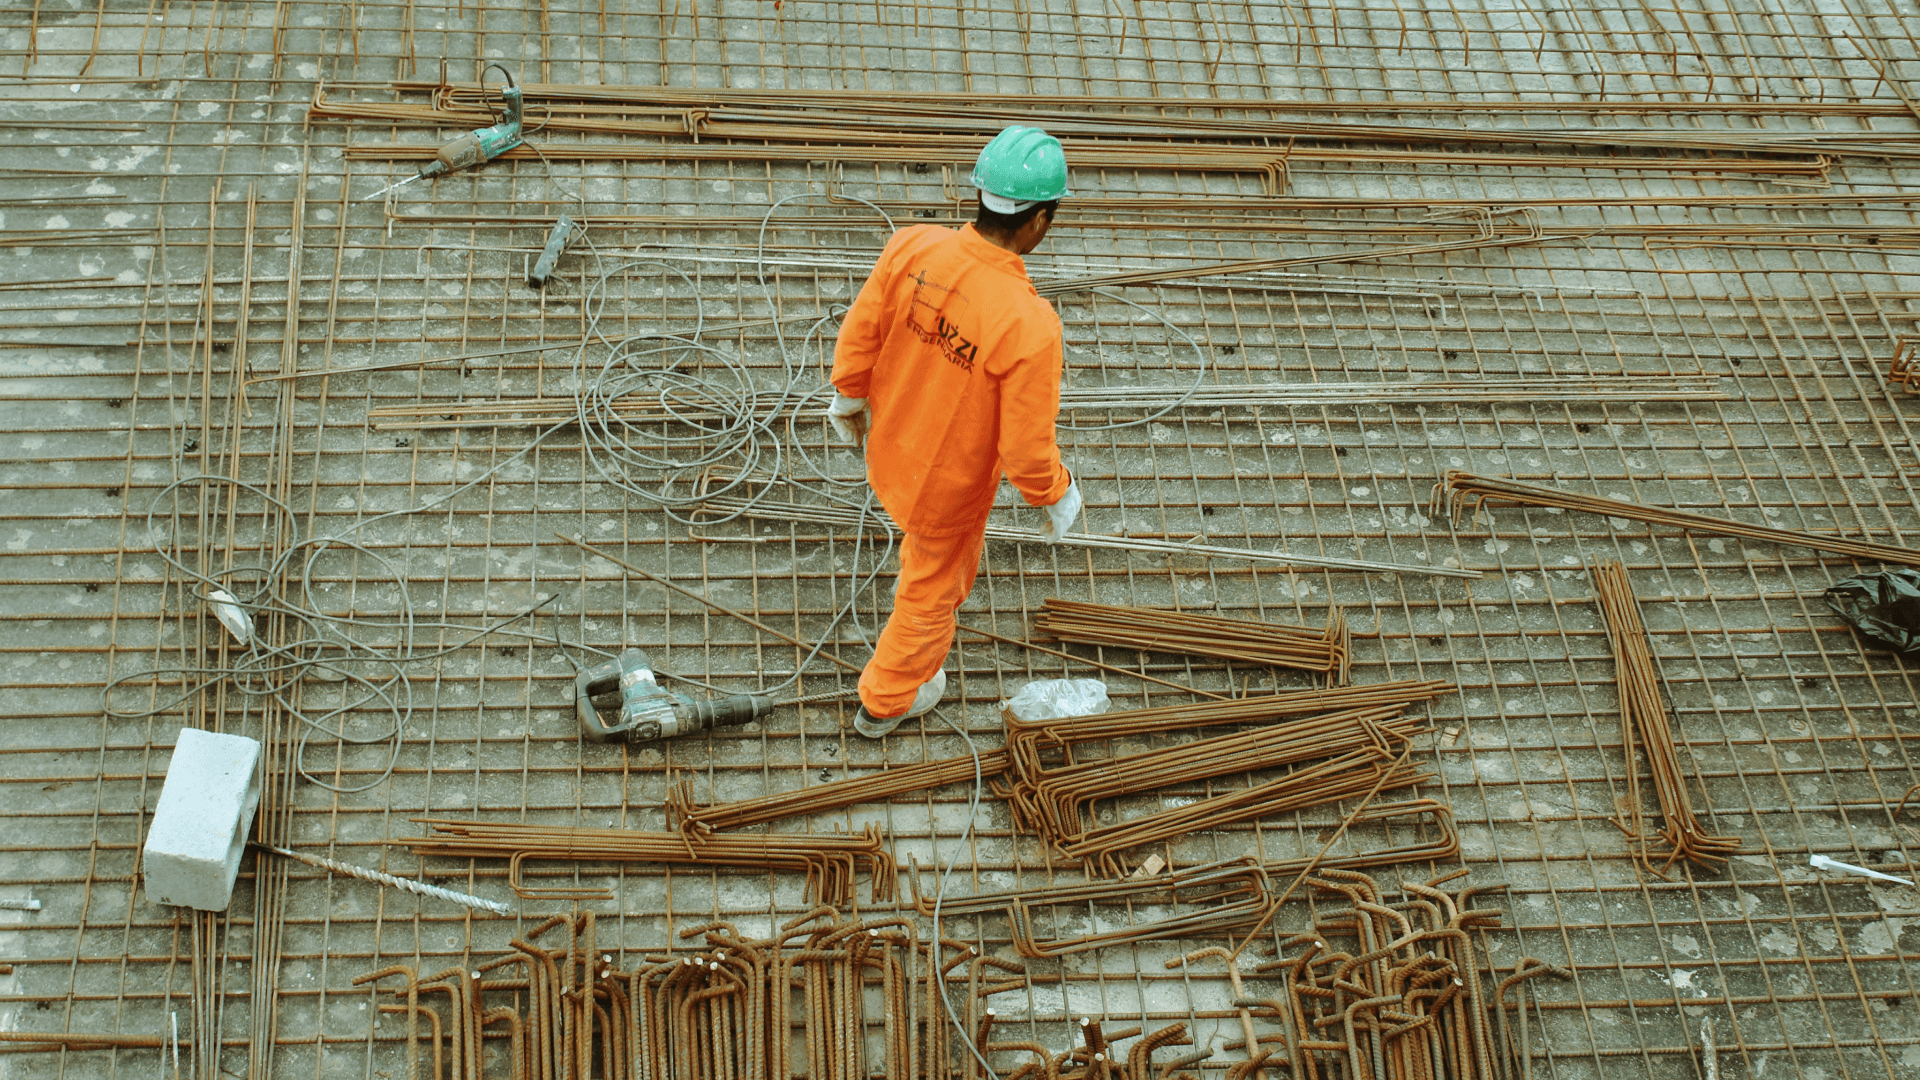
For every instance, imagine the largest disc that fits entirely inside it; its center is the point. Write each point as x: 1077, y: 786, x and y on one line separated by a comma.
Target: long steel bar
x: 835, y: 795
x: 1083, y: 133
x: 1464, y: 492
x: 1205, y: 105
x: 535, y: 410
x: 769, y: 510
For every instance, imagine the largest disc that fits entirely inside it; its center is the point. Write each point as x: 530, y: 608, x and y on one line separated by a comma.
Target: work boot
x: 924, y: 699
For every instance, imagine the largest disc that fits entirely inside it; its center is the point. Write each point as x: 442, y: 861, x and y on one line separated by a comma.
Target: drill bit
x: 390, y: 187
x: 375, y: 876
x: 826, y: 695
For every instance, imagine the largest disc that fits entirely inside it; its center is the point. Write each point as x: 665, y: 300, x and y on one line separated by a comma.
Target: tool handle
x: 602, y: 682
x: 730, y: 711
x: 462, y: 153
x: 505, y: 135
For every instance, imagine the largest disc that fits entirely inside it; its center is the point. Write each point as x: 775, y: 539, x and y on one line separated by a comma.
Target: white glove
x: 848, y: 415
x: 1062, y: 515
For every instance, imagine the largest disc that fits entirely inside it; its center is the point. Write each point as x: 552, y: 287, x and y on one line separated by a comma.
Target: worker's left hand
x: 1062, y: 515
x: 848, y: 415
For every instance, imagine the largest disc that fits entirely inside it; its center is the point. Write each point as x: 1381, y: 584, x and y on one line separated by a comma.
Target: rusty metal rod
x: 1466, y: 492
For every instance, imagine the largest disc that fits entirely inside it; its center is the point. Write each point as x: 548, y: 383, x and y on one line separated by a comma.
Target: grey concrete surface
x: 134, y: 331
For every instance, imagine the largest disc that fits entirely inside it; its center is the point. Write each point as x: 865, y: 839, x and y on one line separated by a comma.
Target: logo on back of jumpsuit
x: 933, y: 314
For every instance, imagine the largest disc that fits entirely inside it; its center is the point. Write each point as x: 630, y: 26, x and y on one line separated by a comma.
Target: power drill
x: 476, y: 147
x: 644, y: 712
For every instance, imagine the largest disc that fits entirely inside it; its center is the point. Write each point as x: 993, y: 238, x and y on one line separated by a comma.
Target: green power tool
x: 476, y: 147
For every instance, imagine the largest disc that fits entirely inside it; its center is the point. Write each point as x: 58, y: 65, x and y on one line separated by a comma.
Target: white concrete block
x: 201, y: 823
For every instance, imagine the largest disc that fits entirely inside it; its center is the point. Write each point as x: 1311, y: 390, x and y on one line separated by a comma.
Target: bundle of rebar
x: 864, y: 130
x: 835, y: 795
x: 1248, y: 641
x: 829, y: 862
x: 1388, y: 991
x: 1219, y: 898
x: 1040, y: 739
x: 1349, y: 743
x: 1052, y: 801
x: 1644, y: 721
x: 1221, y: 895
x: 713, y: 112
x: 1423, y: 813
x: 1349, y: 776
x: 825, y: 998
x: 1464, y: 491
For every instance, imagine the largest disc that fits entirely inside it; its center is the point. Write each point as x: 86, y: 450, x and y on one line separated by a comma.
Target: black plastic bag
x: 1883, y: 606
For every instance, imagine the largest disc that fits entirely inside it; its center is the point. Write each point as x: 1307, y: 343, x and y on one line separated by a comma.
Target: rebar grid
x: 1787, y: 294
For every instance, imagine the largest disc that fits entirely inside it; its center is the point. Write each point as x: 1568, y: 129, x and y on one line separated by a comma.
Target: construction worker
x: 957, y: 361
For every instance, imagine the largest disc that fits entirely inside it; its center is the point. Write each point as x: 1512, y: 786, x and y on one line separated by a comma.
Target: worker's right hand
x: 848, y: 415
x: 1061, y: 515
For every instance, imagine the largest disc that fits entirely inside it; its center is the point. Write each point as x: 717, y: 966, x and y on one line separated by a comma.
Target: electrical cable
x: 746, y: 438
x: 1199, y: 375
x: 940, y: 892
x: 324, y: 651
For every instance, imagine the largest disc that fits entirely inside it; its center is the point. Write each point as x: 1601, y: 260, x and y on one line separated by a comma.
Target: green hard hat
x: 1020, y: 167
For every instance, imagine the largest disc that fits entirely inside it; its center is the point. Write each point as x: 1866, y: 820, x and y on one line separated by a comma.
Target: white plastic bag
x: 1057, y: 699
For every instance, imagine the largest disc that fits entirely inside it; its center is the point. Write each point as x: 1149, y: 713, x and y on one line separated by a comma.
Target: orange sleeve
x: 1029, y: 406
x: 863, y: 330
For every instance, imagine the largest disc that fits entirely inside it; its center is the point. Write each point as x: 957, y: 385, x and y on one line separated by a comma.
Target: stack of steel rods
x: 1465, y: 491
x: 854, y: 131
x: 1642, y: 712
x: 1387, y: 991
x: 1143, y: 888
x: 726, y: 507
x: 1046, y: 735
x: 1051, y: 801
x: 693, y: 409
x: 1268, y: 163
x: 1444, y: 845
x: 1247, y: 641
x: 839, y: 794
x: 1349, y: 776
x: 1229, y: 895
x: 825, y: 998
x: 1352, y: 751
x: 709, y: 112
x: 829, y: 862
x: 1216, y: 888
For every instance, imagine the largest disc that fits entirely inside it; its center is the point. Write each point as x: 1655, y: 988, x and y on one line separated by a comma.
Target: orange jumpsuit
x: 959, y: 360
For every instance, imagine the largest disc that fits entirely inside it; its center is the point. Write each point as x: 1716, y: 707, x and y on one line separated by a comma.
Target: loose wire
x: 940, y: 892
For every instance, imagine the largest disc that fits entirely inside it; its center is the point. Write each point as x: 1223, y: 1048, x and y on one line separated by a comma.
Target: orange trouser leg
x: 936, y: 574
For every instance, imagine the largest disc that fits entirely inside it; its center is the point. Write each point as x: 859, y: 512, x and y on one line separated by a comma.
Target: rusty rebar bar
x: 1465, y: 491
x: 1644, y: 721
